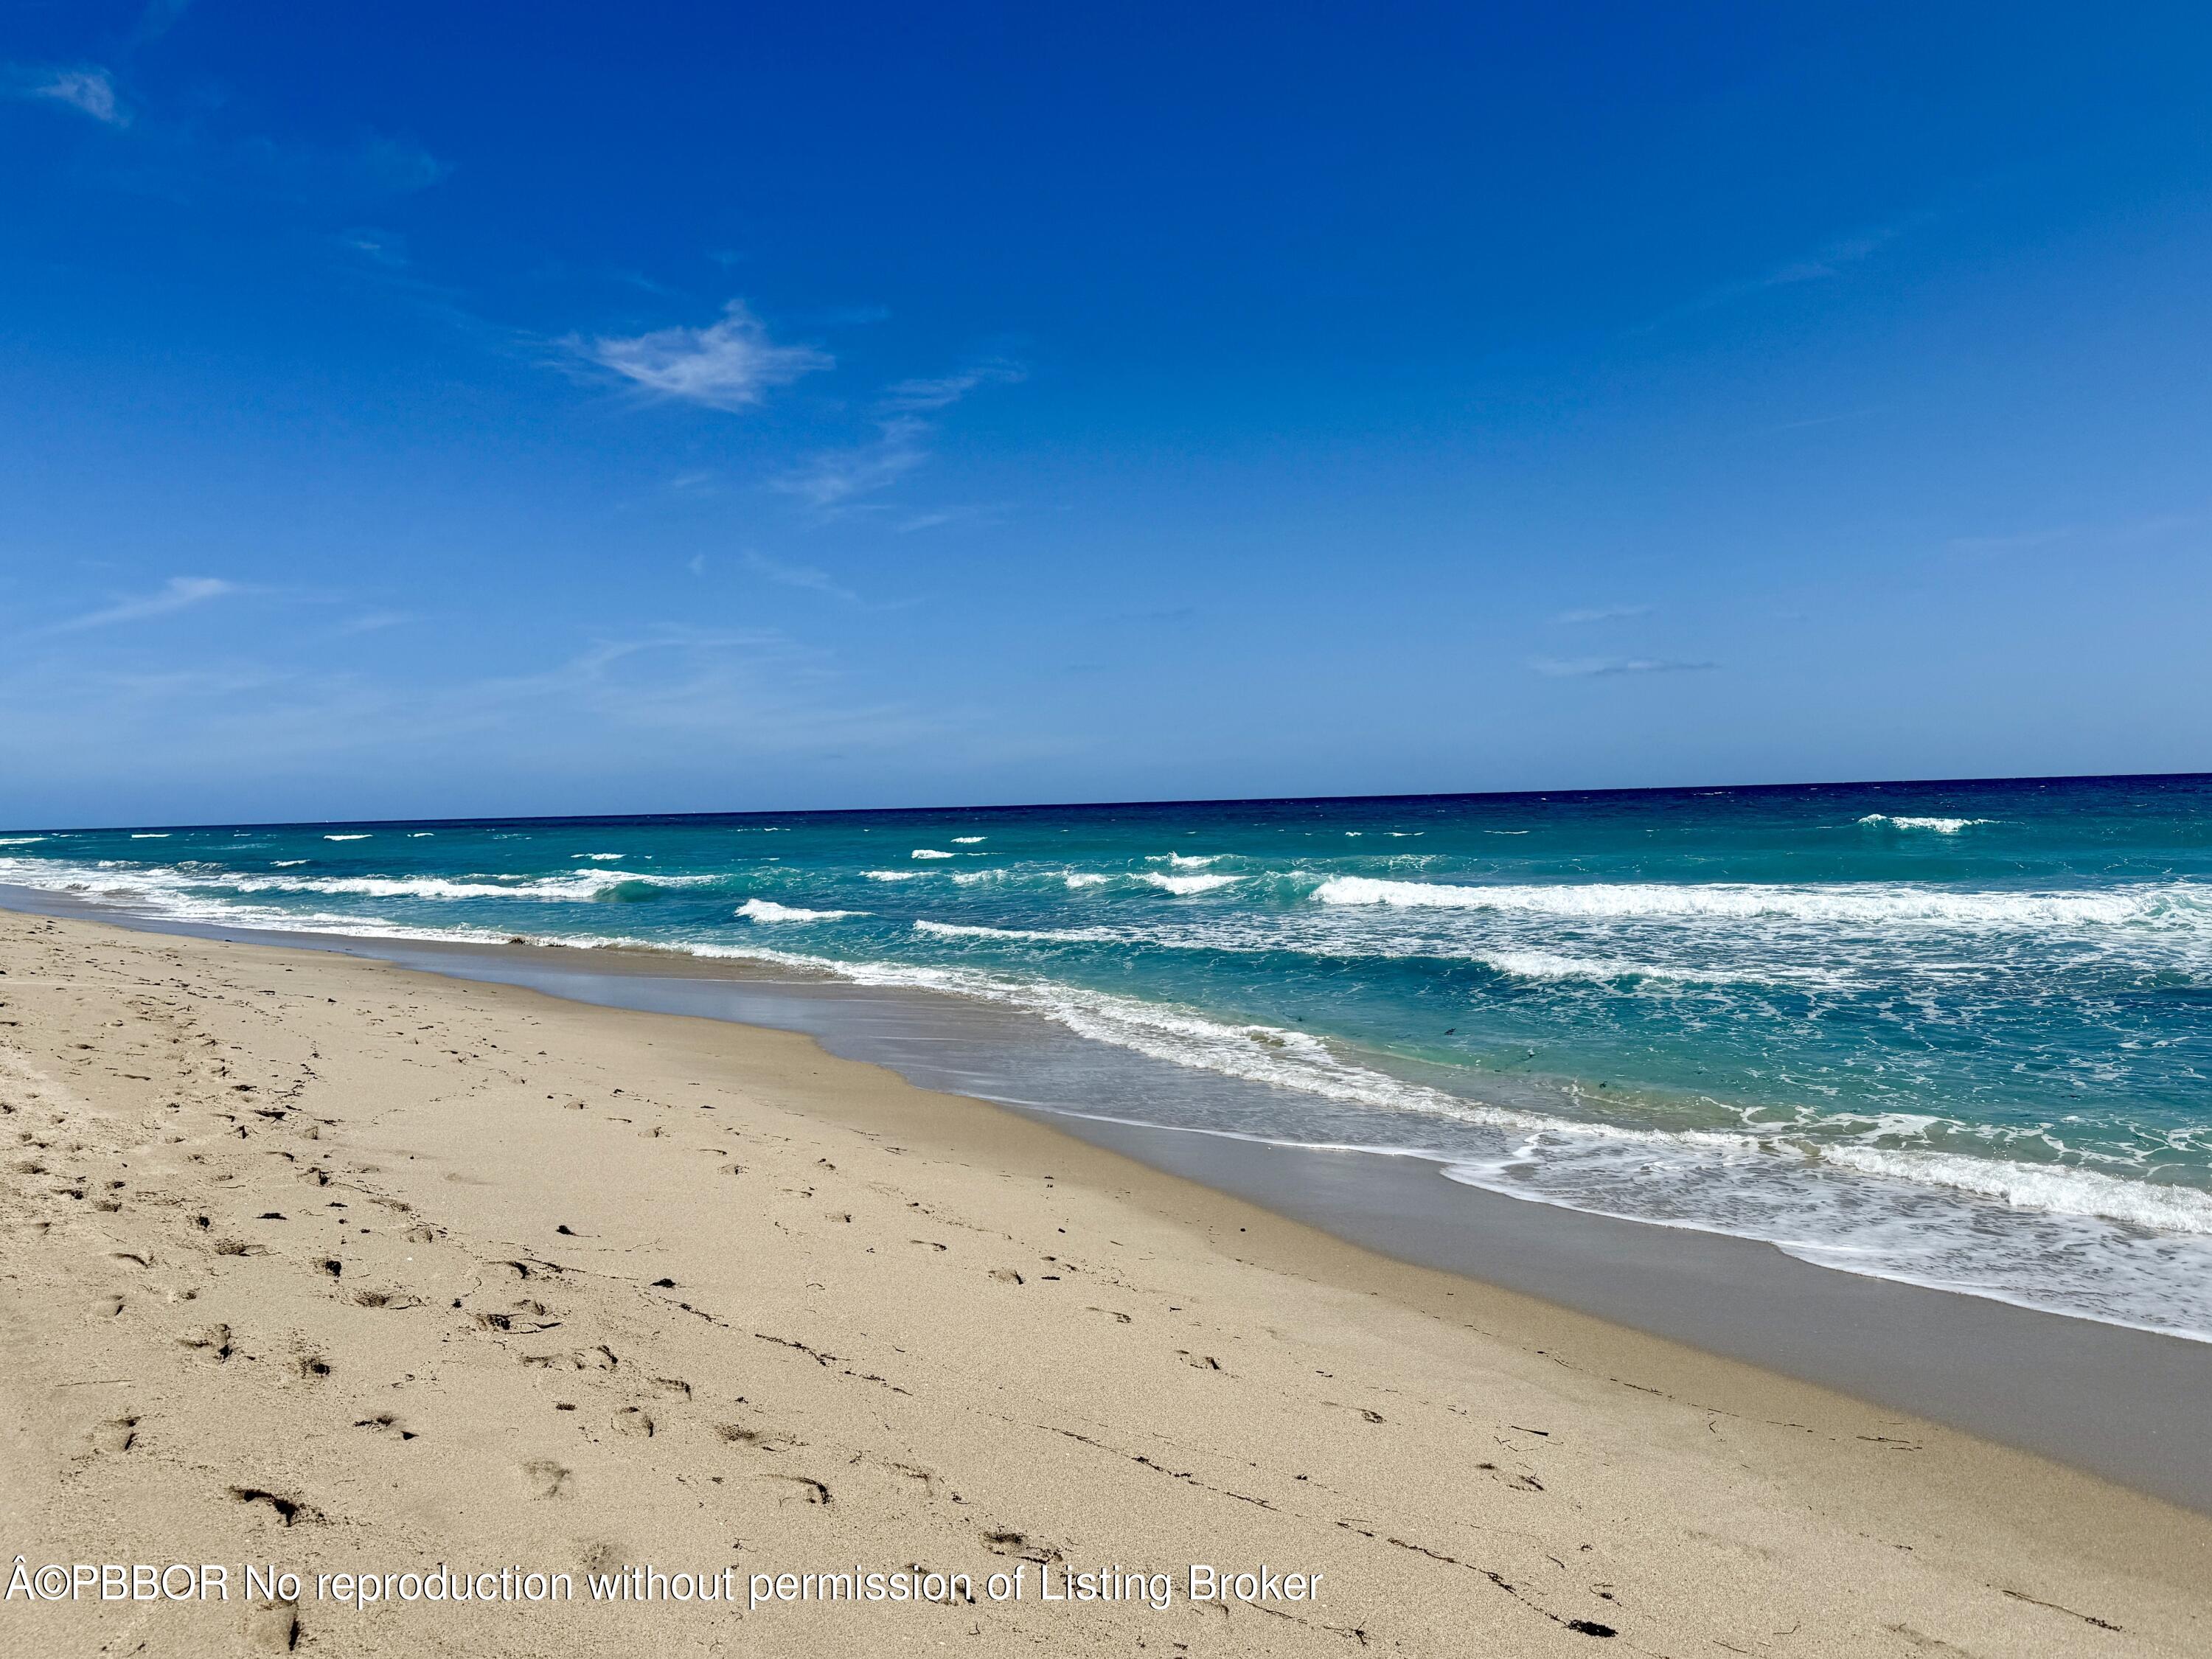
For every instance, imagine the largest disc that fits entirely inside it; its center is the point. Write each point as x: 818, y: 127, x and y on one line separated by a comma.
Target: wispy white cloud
x: 798, y: 575
x: 731, y: 364
x: 1832, y: 260
x: 1583, y: 668
x: 936, y: 518
x: 836, y: 478
x: 1602, y: 613
x: 177, y: 594
x: 383, y: 247
x: 374, y: 622
x: 87, y: 89
x: 2085, y: 535
x: 917, y: 396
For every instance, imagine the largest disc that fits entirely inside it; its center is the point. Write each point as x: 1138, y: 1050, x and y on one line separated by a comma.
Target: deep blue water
x: 1953, y: 1033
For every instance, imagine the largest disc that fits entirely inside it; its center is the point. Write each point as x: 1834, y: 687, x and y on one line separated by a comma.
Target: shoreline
x: 2119, y: 1402
x: 541, y: 1321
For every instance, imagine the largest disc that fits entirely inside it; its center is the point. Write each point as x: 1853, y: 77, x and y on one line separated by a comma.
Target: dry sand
x: 316, y: 1262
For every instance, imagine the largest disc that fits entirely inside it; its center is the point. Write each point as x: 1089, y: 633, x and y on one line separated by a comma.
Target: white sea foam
x: 1086, y: 879
x: 1185, y: 860
x: 928, y: 853
x: 602, y: 858
x: 1035, y: 935
x: 1544, y: 965
x: 968, y: 840
x: 1866, y: 903
x: 770, y: 910
x: 2051, y: 1188
x: 1941, y: 826
x: 894, y: 875
x: 161, y: 883
x: 363, y: 835
x: 1183, y: 887
x: 287, y: 863
x: 19, y: 840
x: 150, y: 835
x: 420, y: 834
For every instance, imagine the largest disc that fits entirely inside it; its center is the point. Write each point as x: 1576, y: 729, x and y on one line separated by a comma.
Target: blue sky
x: 422, y: 409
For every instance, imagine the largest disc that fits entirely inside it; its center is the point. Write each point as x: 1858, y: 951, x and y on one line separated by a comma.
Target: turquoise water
x: 1955, y: 1034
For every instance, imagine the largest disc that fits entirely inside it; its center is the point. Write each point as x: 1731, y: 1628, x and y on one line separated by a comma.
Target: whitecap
x: 1864, y: 903
x: 1038, y: 935
x: 1086, y: 879
x: 770, y: 910
x: 363, y: 835
x: 1941, y: 826
x: 1184, y: 885
x: 968, y: 840
x: 928, y: 853
x: 894, y: 875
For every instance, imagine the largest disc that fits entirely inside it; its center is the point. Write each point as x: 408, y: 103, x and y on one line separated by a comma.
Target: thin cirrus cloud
x: 1602, y: 613
x: 798, y: 575
x: 89, y: 89
x: 731, y: 364
x: 920, y: 396
x: 1834, y: 259
x: 835, y: 479
x: 177, y: 594
x: 2085, y: 535
x: 1590, y: 668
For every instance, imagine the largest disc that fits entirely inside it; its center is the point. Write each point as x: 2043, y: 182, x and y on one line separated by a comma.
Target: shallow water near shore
x: 1949, y: 1035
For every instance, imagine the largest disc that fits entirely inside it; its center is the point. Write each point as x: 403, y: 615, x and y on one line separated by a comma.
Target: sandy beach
x: 325, y: 1265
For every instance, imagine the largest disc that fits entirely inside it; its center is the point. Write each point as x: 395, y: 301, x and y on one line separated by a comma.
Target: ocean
x: 1952, y: 1033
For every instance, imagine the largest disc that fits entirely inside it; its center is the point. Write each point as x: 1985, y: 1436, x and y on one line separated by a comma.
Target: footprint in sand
x: 272, y: 1627
x: 291, y: 1510
x: 544, y: 1478
x: 117, y: 1435
x: 212, y: 1344
x: 767, y: 1440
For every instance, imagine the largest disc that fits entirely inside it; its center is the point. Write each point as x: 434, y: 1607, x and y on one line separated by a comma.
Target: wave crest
x: 1941, y: 826
x: 758, y: 909
x: 1866, y: 903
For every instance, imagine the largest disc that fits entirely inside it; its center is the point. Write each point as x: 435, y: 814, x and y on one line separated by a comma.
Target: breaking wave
x: 1941, y: 826
x: 770, y: 910
x: 1861, y: 903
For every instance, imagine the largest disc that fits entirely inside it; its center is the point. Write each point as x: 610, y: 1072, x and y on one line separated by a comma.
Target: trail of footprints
x: 290, y: 1199
x: 206, y: 1109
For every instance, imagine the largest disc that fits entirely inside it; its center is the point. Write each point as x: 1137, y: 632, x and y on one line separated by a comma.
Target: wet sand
x: 319, y: 1260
